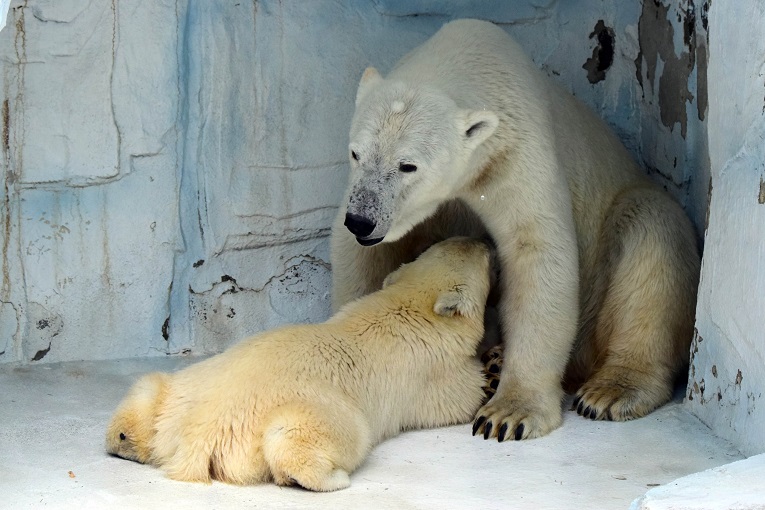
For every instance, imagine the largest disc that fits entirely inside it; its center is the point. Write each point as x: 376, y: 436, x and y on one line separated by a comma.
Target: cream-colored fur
x: 599, y: 266
x: 304, y: 404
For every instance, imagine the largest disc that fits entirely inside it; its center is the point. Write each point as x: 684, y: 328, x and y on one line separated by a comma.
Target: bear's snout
x: 359, y: 225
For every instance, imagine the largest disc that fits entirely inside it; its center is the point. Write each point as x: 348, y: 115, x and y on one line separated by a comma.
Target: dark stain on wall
x: 166, y: 329
x: 705, y: 14
x: 656, y: 40
x: 41, y: 353
x: 761, y: 196
x: 602, y: 55
x: 701, y: 79
x: 6, y: 127
x: 709, y: 203
x: 47, y: 326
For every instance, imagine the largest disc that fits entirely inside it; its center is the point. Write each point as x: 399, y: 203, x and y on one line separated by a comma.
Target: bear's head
x: 457, y: 272
x: 410, y: 149
x: 132, y: 427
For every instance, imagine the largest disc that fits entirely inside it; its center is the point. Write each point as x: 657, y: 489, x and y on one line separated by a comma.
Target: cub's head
x: 410, y: 147
x: 132, y: 427
x: 459, y: 272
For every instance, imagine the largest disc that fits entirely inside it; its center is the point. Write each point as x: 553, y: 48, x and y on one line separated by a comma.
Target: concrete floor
x: 53, y: 418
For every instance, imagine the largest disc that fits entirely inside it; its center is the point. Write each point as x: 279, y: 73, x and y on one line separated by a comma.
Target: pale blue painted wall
x: 170, y: 168
x: 727, y: 384
x: 173, y: 167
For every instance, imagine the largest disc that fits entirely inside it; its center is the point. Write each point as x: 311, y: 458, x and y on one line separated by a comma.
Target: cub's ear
x: 451, y: 303
x: 477, y: 126
x: 369, y: 79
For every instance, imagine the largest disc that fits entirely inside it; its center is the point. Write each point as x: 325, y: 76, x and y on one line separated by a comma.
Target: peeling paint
x: 165, y: 329
x: 656, y: 40
x: 602, y: 55
x: 42, y: 353
x: 705, y: 15
x: 701, y: 80
x: 47, y: 326
x: 709, y: 208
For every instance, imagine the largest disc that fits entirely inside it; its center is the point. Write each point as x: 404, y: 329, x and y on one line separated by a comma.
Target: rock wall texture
x: 170, y: 168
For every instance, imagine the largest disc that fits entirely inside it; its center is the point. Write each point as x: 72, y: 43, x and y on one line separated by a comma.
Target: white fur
x: 561, y: 198
x: 304, y: 404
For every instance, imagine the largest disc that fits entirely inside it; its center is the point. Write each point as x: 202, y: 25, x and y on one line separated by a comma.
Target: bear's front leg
x: 539, y: 311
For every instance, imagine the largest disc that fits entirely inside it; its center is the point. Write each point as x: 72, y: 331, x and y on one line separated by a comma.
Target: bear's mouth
x: 369, y: 242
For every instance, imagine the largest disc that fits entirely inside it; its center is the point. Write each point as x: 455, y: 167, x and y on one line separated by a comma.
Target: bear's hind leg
x: 315, y: 446
x: 644, y: 327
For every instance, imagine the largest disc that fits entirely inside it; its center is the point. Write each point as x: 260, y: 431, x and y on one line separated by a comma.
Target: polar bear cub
x: 304, y: 404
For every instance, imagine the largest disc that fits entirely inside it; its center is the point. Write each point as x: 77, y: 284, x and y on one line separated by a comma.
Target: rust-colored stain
x: 6, y: 128
x: 761, y: 195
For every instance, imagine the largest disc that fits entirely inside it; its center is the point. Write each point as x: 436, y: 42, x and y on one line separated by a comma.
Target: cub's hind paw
x: 492, y: 367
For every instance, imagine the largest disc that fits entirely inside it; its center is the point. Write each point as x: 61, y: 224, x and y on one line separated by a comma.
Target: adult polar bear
x: 599, y: 266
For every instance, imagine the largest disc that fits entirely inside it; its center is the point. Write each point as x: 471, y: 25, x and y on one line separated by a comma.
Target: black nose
x: 359, y: 225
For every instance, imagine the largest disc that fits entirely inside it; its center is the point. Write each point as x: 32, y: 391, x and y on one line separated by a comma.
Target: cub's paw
x: 492, y: 366
x: 509, y: 415
x: 620, y: 394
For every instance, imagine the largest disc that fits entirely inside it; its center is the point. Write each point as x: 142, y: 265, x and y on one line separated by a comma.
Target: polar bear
x: 304, y: 404
x: 599, y: 266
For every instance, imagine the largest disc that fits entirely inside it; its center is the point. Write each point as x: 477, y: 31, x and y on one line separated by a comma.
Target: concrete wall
x: 170, y: 168
x: 728, y: 354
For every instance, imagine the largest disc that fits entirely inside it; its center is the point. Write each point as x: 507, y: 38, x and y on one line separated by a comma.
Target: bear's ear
x: 451, y: 303
x: 370, y: 78
x: 477, y: 126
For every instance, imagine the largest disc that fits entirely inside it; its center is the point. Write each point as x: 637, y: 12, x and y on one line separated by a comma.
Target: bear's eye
x: 407, y: 167
x: 122, y: 436
x: 354, y: 155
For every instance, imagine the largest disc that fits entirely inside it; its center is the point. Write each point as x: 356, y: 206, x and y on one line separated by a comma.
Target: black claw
x: 494, y: 368
x: 493, y: 384
x: 487, y: 430
x: 519, y: 432
x: 502, y: 432
x: 478, y: 423
x: 609, y: 416
x: 587, y: 411
x: 579, y: 408
x: 576, y: 403
x: 593, y: 414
